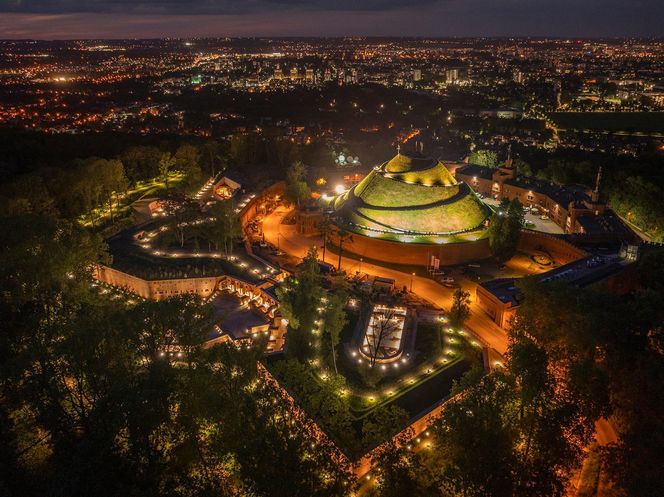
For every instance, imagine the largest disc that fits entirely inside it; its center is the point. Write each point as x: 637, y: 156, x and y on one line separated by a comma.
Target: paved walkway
x: 296, y: 244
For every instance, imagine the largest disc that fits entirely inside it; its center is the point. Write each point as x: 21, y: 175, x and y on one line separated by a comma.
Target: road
x: 295, y: 244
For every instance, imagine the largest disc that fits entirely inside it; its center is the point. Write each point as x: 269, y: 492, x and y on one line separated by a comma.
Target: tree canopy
x: 505, y: 229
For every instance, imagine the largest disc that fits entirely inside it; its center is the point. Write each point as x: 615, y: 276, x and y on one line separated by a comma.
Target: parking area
x: 533, y: 219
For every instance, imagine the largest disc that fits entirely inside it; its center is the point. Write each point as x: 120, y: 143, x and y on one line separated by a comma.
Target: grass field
x: 379, y: 191
x: 615, y: 122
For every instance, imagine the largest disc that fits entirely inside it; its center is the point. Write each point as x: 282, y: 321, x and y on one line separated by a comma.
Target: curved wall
x: 559, y: 249
x: 417, y: 254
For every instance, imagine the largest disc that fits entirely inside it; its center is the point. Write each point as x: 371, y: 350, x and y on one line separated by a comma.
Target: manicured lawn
x: 407, y: 387
x: 385, y: 192
x: 460, y: 214
x: 430, y: 392
x: 418, y: 385
x: 428, y: 342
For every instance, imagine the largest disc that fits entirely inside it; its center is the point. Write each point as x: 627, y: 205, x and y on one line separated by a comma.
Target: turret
x: 595, y: 194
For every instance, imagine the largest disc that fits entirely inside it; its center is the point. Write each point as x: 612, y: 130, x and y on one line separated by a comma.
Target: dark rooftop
x: 562, y: 195
x: 479, y: 171
x: 504, y: 289
x: 607, y: 224
x: 580, y: 273
x: 235, y: 319
x: 585, y: 271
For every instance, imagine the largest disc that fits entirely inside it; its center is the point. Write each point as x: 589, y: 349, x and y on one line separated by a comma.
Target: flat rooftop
x: 234, y: 318
x: 580, y: 273
x: 585, y: 271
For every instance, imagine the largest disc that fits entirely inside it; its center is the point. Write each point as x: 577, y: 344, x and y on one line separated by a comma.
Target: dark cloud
x: 442, y: 18
x: 203, y: 6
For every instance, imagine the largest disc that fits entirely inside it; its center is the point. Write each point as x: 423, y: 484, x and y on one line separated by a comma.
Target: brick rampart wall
x: 417, y: 254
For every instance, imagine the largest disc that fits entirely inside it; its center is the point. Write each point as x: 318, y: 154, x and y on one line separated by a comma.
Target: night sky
x: 50, y: 19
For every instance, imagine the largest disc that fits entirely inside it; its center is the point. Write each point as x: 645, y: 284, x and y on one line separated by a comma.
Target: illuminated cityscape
x: 332, y: 265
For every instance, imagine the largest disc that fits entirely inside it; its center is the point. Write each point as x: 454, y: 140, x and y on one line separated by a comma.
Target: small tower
x: 508, y: 161
x: 595, y: 205
x: 594, y: 196
x: 506, y: 170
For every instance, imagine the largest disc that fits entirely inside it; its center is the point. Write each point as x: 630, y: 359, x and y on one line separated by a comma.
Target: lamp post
x: 411, y: 282
x: 360, y: 269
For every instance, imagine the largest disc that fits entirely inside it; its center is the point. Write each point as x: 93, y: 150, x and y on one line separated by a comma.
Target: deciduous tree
x: 505, y: 229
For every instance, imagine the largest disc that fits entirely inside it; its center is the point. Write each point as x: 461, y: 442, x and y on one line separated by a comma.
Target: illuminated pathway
x: 295, y: 244
x: 289, y: 241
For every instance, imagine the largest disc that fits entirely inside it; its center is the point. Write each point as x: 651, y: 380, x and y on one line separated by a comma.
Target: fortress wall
x: 417, y: 254
x: 162, y: 289
x: 157, y: 289
x: 119, y: 279
x: 559, y: 249
x: 250, y: 210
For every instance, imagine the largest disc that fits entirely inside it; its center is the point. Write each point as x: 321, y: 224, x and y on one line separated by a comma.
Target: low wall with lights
x: 417, y: 254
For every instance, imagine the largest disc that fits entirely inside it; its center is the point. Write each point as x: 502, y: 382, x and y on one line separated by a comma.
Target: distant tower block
x: 451, y: 75
x: 309, y: 75
x: 517, y: 76
x: 278, y: 73
x: 294, y: 74
x: 417, y: 75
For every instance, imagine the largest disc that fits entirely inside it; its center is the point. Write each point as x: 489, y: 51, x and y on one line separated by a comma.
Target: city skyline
x: 423, y: 18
